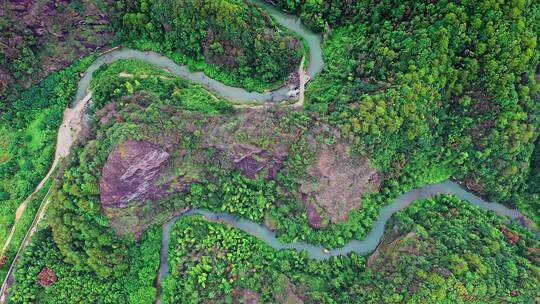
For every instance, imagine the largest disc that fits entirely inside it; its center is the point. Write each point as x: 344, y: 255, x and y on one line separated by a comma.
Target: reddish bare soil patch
x: 250, y: 160
x: 245, y: 296
x: 315, y: 218
x: 510, y: 235
x: 255, y: 142
x: 336, y: 183
x: 47, y: 277
x: 474, y: 185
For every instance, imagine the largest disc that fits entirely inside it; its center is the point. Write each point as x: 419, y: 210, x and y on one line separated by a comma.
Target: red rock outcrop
x: 315, y: 219
x: 131, y: 173
x: 336, y: 183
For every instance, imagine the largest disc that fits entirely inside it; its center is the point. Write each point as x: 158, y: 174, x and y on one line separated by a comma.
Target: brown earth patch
x: 315, y: 219
x: 250, y: 160
x: 474, y: 185
x: 254, y: 142
x: 336, y: 183
x: 289, y: 294
x: 47, y: 277
x: 245, y: 296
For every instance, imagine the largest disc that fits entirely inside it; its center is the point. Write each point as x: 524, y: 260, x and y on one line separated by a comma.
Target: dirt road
x: 67, y: 134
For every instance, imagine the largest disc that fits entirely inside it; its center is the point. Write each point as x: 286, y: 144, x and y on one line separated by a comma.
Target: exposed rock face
x: 390, y: 247
x: 250, y: 160
x: 250, y: 142
x: 293, y: 82
x: 131, y: 173
x: 315, y: 219
x: 527, y: 223
x: 336, y: 183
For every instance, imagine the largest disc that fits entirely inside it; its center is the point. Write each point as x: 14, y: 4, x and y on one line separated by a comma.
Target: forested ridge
x: 28, y: 133
x: 412, y: 93
x: 41, y: 37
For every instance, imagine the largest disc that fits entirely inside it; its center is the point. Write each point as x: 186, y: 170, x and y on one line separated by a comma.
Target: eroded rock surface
x: 336, y: 183
x: 131, y: 174
x: 250, y: 160
x: 255, y: 143
x: 314, y: 217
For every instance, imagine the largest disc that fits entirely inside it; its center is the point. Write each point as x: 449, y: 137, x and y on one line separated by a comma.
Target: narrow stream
x: 362, y: 247
x: 291, y: 22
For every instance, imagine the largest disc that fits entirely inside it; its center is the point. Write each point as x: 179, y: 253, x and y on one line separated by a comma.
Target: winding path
x: 67, y: 134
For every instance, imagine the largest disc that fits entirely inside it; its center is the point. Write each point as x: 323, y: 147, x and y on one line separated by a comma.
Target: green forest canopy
x: 436, y: 90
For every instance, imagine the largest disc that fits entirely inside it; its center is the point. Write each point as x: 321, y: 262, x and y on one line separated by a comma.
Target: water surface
x: 291, y: 22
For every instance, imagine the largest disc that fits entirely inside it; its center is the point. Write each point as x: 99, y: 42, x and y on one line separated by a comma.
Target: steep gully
x: 73, y: 118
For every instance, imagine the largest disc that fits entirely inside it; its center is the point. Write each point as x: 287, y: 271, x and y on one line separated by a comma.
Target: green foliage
x: 230, y: 40
x: 237, y: 194
x: 320, y: 14
x: 228, y: 260
x: 428, y: 91
x: 451, y: 250
x: 133, y: 77
x: 144, y: 263
x: 436, y: 250
x: 75, y: 285
x: 22, y: 226
x: 448, y: 84
x: 28, y: 131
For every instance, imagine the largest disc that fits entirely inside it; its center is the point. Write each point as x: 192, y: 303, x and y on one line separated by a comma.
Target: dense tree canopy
x: 242, y: 41
x: 425, y: 90
x: 450, y: 83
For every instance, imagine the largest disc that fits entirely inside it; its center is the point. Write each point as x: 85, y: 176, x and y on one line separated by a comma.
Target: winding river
x: 291, y: 22
x: 316, y: 64
x: 362, y: 247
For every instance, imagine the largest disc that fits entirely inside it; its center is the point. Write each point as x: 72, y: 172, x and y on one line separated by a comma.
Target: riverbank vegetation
x: 28, y: 130
x: 232, y: 41
x: 484, y: 261
x: 452, y: 86
x: 412, y: 93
